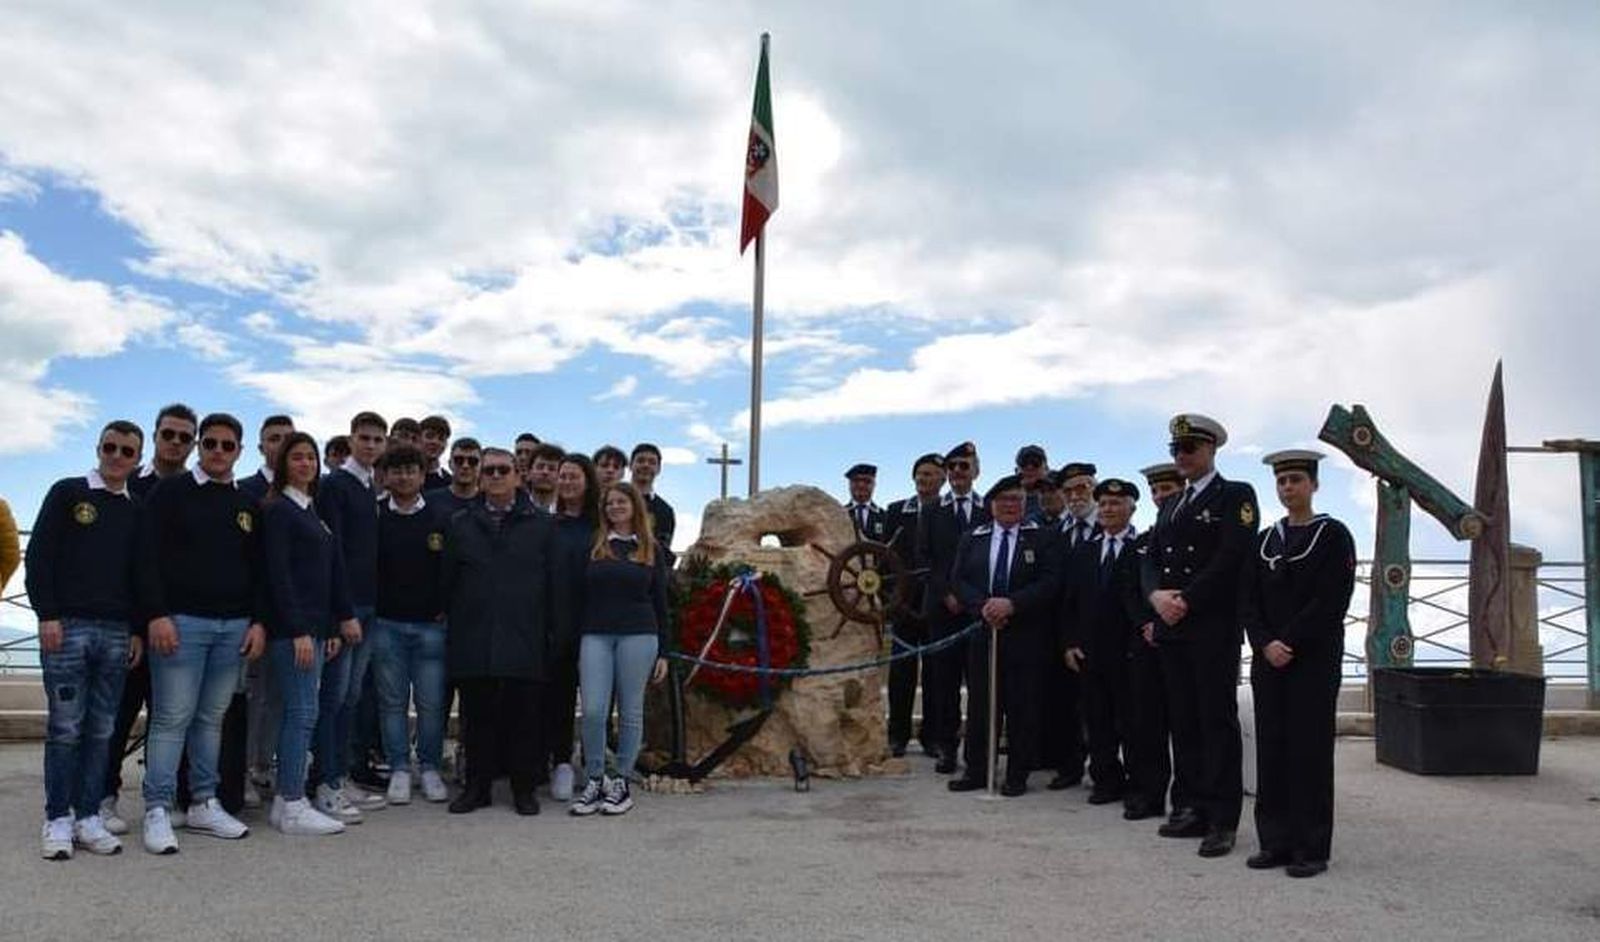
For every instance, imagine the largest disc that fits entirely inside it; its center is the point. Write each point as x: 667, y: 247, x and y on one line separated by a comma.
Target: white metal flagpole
x: 755, y: 360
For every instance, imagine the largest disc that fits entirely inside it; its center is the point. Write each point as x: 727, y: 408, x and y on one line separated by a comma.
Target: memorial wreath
x: 780, y: 616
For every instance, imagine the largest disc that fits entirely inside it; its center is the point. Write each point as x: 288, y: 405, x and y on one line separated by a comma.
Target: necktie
x: 861, y: 518
x: 1000, y: 579
x: 961, y: 510
x: 1188, y: 492
x: 1080, y: 532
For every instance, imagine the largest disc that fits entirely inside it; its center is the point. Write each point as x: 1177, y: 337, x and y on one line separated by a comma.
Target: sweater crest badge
x: 436, y: 541
x: 85, y: 513
x: 244, y: 521
x: 1247, y: 514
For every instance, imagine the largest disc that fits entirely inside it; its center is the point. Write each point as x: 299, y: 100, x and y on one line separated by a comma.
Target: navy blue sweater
x: 305, y: 572
x: 351, y: 511
x: 81, y: 555
x: 200, y: 551
x: 410, y: 550
x: 624, y: 597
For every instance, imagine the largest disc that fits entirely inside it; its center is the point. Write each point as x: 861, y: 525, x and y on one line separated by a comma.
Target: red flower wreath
x: 788, y: 635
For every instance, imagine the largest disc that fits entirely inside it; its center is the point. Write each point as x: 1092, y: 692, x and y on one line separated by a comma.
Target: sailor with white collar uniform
x: 1198, y: 546
x: 1294, y: 592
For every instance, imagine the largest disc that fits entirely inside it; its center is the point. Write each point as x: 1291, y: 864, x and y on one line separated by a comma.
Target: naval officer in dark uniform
x: 903, y: 519
x: 1148, y: 752
x: 867, y: 517
x: 1191, y: 570
x: 1293, y: 596
x: 942, y: 528
x: 1006, y: 574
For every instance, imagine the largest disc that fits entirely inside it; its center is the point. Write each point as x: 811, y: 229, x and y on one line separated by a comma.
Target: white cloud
x: 676, y: 455
x: 46, y: 316
x: 621, y: 389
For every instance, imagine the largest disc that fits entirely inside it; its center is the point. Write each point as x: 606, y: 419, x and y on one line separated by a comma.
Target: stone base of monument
x: 836, y: 721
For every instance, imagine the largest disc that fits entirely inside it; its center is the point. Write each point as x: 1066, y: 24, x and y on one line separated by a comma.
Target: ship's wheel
x: 867, y: 583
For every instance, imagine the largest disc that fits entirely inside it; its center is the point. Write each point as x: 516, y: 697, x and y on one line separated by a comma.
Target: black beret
x: 933, y: 458
x: 1074, y: 469
x: 1026, y: 452
x: 1011, y: 482
x: 869, y: 470
x: 963, y: 450
x: 1116, y: 487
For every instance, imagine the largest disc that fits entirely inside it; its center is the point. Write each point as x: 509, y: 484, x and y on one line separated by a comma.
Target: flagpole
x: 755, y: 356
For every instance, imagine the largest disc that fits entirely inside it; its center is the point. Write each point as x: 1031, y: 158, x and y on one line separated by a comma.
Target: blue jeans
x: 298, y: 690
x: 333, y: 723
x: 408, y: 663
x: 83, y: 685
x: 189, y: 692
x: 608, y: 663
x: 360, y: 702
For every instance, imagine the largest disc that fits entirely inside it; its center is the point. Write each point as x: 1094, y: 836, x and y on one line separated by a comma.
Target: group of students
x: 1126, y: 645
x: 245, y: 615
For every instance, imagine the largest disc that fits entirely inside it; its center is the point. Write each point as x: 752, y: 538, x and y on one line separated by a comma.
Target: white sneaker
x: 561, y: 782
x: 109, y: 816
x: 57, y: 839
x: 330, y: 801
x: 177, y: 817
x: 399, y: 788
x: 209, y: 817
x: 158, y: 837
x: 358, y: 797
x: 90, y: 833
x: 589, y: 802
x: 298, y: 817
x: 252, y: 795
x: 619, y: 797
x: 433, y: 787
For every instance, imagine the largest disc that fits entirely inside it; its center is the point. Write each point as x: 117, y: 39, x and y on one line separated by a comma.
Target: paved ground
x: 1415, y: 858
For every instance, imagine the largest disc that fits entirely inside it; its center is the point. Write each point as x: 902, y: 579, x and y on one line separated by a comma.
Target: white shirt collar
x: 98, y: 483
x: 405, y: 512
x: 201, y: 477
x: 362, y: 472
x: 266, y: 473
x: 301, y: 498
x: 148, y: 470
x: 630, y: 538
x: 1197, y: 486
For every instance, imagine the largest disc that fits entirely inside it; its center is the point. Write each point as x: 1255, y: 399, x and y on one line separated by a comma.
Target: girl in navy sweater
x: 309, y: 600
x: 577, y: 514
x: 623, y: 629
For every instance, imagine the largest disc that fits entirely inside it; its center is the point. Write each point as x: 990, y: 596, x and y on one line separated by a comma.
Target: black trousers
x: 903, y: 675
x: 943, y: 672
x: 1106, y: 705
x: 1021, y: 678
x: 1148, y: 747
x: 233, y: 759
x: 1060, y: 718
x: 560, y: 708
x: 1202, y: 679
x: 1295, y: 714
x: 504, y: 729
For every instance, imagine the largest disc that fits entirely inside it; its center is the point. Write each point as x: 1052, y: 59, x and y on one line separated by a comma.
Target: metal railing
x: 1437, y: 609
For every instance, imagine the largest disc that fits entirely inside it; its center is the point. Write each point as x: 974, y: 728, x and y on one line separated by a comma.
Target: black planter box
x: 1456, y: 721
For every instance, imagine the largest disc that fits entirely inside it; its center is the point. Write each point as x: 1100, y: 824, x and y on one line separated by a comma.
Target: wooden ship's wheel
x: 868, y: 583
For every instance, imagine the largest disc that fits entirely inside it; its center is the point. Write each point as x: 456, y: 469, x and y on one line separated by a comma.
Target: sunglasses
x: 958, y: 465
x: 171, y: 434
x: 496, y: 470
x: 111, y: 448
x: 464, y: 461
x: 1186, y: 447
x: 227, y: 445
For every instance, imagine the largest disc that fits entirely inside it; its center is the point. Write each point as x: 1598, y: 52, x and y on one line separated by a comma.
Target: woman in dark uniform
x: 1293, y: 599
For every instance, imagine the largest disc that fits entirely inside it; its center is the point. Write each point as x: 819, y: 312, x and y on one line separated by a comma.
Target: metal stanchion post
x: 994, y: 710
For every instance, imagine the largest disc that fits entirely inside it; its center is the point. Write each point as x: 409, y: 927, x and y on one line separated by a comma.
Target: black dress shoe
x: 526, y: 803
x: 470, y: 799
x: 965, y: 784
x: 1104, y: 796
x: 1266, y: 860
x: 947, y: 761
x: 369, y: 778
x: 1184, y: 825
x: 1139, y: 811
x: 1013, y: 788
x: 1300, y: 869
x: 1063, y: 780
x: 897, y: 749
x: 1217, y: 843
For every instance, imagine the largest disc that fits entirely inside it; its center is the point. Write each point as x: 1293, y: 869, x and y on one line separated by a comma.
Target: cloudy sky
x: 1010, y: 222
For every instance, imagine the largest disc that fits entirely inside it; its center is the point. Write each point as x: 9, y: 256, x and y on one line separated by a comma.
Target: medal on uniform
x: 1247, y: 514
x: 84, y: 513
x: 1027, y: 556
x: 436, y: 541
x: 244, y: 521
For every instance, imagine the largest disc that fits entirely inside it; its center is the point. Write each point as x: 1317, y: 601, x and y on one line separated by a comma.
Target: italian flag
x: 760, y: 160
